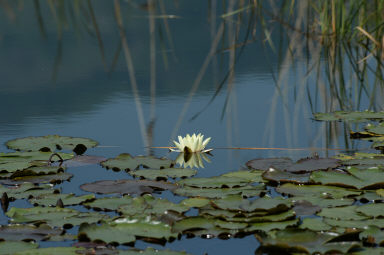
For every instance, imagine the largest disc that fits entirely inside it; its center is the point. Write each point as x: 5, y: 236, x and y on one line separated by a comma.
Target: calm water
x: 57, y: 77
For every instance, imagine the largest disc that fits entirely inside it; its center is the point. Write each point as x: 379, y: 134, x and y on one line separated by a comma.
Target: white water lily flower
x: 192, y: 143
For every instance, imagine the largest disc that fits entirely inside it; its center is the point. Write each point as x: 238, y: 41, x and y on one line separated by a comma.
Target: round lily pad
x: 52, y: 143
x: 67, y: 199
x: 215, y: 182
x: 126, y: 162
x: 18, y: 232
x: 155, y: 174
x: 245, y: 191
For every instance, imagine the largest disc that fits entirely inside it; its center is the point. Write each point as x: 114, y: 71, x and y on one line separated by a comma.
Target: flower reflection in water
x: 192, y: 160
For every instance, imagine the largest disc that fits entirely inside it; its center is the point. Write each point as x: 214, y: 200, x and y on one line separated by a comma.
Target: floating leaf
x: 53, y: 216
x: 154, y: 174
x: 126, y: 162
x: 303, y: 241
x: 355, y: 224
x: 372, y: 235
x: 26, y: 190
x: 37, y: 170
x: 215, y: 182
x: 67, y: 199
x: 349, y: 116
x: 345, y: 213
x: 369, y: 251
x: 280, y: 176
x: 149, y: 205
x: 271, y: 205
x: 199, y: 223
x: 11, y: 247
x: 109, y: 203
x: 372, y: 210
x: 83, y: 160
x: 245, y: 191
x: 371, y: 178
x: 316, y: 190
x: 315, y: 224
x: 17, y: 232
x: 268, y: 226
x: 303, y: 165
x: 251, y: 176
x: 123, y: 231
x: 195, y: 202
x: 126, y: 186
x: 151, y: 251
x: 48, y: 178
x: 51, y: 143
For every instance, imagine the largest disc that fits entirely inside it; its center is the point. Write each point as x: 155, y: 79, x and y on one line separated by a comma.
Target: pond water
x: 65, y: 70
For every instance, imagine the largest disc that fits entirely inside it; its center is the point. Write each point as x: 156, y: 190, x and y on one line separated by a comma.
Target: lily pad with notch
x: 51, y: 143
x: 127, y: 186
x: 126, y: 162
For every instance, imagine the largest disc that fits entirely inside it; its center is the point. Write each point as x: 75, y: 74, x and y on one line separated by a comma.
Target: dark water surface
x: 64, y: 73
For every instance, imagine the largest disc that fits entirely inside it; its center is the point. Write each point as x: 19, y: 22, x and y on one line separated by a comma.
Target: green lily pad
x: 14, y: 161
x: 245, y: 191
x: 196, y: 202
x: 154, y: 174
x: 350, y: 116
x: 67, y: 199
x: 304, y: 242
x: 47, y: 178
x: 315, y: 224
x: 127, y: 186
x: 269, y: 226
x: 37, y: 170
x: 126, y: 162
x: 199, y: 223
x: 109, y: 203
x: 18, y: 232
x: 371, y: 210
x: 83, y: 160
x: 252, y: 176
x: 214, y: 182
x: 287, y: 215
x: 11, y: 247
x: 26, y: 190
x: 264, y: 204
x: 355, y: 224
x: 149, y: 205
x: 369, y: 251
x: 280, y: 176
x: 316, y: 190
x: 372, y: 178
x: 53, y: 250
x: 51, y: 143
x: 345, y: 213
x: 302, y: 165
x: 323, y: 202
x: 53, y: 216
x: 125, y: 231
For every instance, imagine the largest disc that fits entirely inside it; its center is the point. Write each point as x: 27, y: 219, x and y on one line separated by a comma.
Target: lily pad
x: 372, y: 178
x: 269, y: 226
x: 301, y: 166
x: 252, y: 176
x: 67, y: 199
x: 51, y: 143
x: 149, y: 205
x: 125, y: 231
x: 215, y: 182
x: 18, y: 232
x: 126, y: 162
x: 350, y: 116
x: 109, y: 203
x: 37, y: 170
x: 26, y: 190
x: 316, y: 190
x: 372, y: 235
x: 196, y: 202
x: 47, y: 178
x: 127, y: 186
x: 371, y: 210
x: 53, y: 216
x: 345, y: 213
x: 155, y: 174
x: 303, y: 241
x: 264, y: 204
x: 199, y: 223
x: 151, y: 251
x: 280, y: 176
x: 83, y: 160
x: 245, y: 191
x: 315, y: 224
x: 11, y: 247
